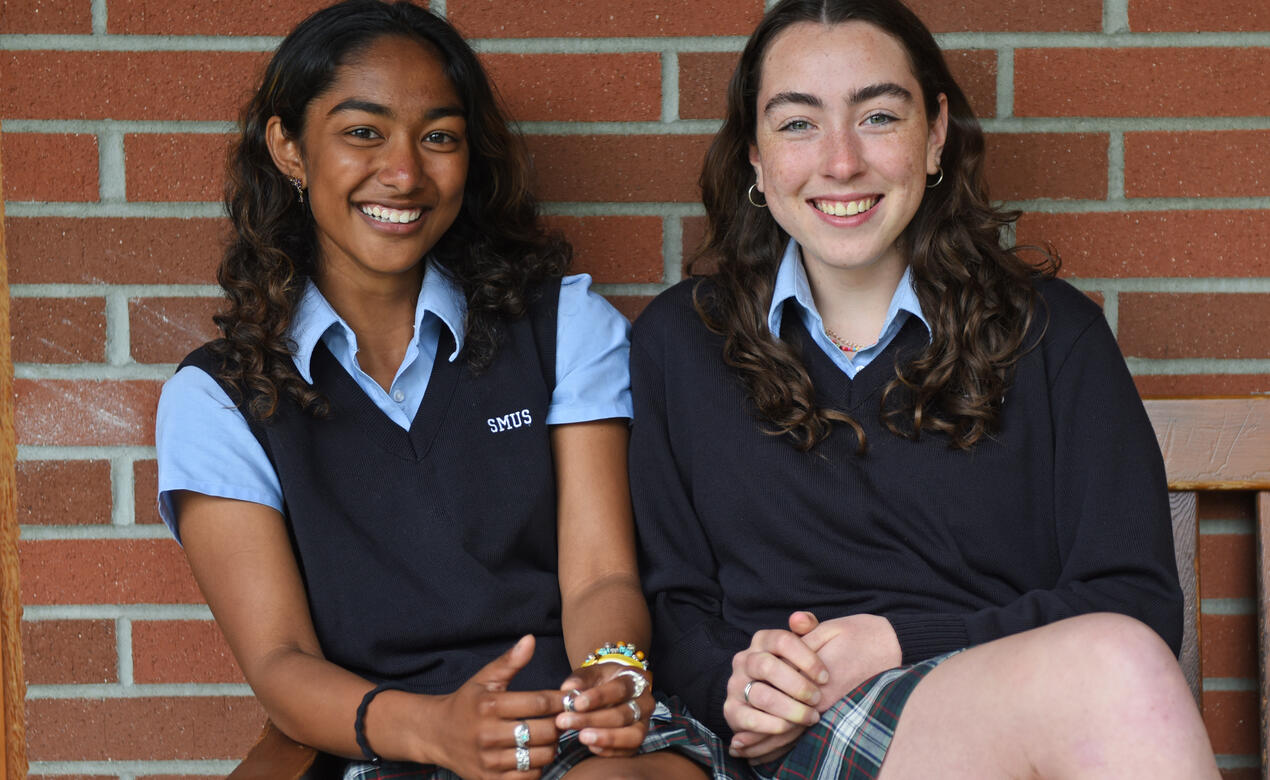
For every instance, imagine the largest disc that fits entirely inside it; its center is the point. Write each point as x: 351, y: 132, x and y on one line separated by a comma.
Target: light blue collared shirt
x: 204, y: 444
x: 791, y: 282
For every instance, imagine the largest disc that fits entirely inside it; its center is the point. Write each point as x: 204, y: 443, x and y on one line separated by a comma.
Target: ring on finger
x: 522, y: 759
x: 521, y: 733
x: 639, y: 682
x: 745, y: 694
x: 635, y: 710
x: 568, y: 700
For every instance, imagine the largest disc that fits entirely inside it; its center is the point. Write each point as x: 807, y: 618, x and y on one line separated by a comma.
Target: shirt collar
x: 791, y: 282
x: 439, y: 295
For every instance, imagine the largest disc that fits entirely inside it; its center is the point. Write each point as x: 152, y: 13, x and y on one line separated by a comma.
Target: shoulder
x: 673, y: 314
x: 1063, y: 313
x: 579, y: 303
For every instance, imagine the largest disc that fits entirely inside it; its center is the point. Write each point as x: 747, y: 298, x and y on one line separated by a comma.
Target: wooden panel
x: 1185, y: 529
x: 1263, y: 624
x: 1214, y: 443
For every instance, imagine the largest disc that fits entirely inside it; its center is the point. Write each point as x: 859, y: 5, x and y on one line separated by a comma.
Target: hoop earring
x: 938, y: 181
x: 750, y: 196
x: 299, y: 188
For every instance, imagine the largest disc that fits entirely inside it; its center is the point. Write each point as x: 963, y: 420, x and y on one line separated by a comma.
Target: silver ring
x: 568, y: 699
x: 521, y: 733
x: 522, y: 759
x: 746, y: 693
x: 635, y: 710
x: 638, y: 681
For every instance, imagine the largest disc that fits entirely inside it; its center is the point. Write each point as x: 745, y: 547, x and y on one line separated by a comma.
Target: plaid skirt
x: 671, y: 728
x: 852, y: 737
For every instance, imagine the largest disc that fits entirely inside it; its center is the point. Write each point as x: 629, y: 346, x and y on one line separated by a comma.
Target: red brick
x: 614, y: 249
x: 1233, y: 721
x: 187, y: 167
x: 71, y: 413
x: 1229, y: 646
x: 158, y: 85
x: 1176, y: 244
x: 145, y: 492
x: 1247, y: 773
x: 1196, y: 165
x: 630, y: 168
x: 1202, y: 384
x: 1227, y: 566
x: 66, y: 652
x: 50, y: 167
x: 226, y: 17
x: 694, y: 235
x: 58, y: 330
x: 178, y: 728
x: 704, y: 76
x: 578, y: 87
x: 165, y: 330
x: 105, y: 571
x: 181, y: 651
x: 1226, y: 505
x: 1182, y: 325
x: 1010, y: 16
x: 599, y: 18
x: 46, y: 17
x: 52, y: 250
x: 1141, y: 82
x: 1212, y: 16
x: 1022, y: 166
x: 630, y: 305
x: 63, y: 492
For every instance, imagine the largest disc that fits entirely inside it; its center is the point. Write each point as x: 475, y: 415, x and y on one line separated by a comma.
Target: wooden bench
x: 1209, y: 444
x: 1216, y: 444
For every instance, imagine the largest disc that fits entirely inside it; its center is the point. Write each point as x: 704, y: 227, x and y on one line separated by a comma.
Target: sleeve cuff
x: 926, y: 636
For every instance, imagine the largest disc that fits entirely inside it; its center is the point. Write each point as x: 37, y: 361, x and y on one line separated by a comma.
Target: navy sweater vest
x: 1064, y: 511
x: 426, y: 553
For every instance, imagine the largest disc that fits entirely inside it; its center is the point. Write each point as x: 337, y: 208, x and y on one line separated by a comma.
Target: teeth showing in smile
x: 848, y: 208
x: 385, y: 214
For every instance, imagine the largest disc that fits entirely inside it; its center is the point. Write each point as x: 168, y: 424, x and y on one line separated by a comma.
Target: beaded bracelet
x: 621, y: 653
x: 359, y: 723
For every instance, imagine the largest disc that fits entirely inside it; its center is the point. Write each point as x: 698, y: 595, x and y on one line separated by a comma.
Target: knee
x: 1120, y: 653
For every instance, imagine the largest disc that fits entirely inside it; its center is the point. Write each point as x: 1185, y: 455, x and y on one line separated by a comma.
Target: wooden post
x: 12, y: 682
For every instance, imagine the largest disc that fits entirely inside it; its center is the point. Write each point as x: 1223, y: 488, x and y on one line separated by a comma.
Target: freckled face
x: 384, y: 156
x: 843, y: 144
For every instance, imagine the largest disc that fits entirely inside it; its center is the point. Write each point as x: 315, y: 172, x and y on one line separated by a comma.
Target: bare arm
x: 601, y: 600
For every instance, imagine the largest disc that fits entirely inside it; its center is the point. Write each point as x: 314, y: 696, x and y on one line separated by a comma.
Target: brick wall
x: 1133, y: 133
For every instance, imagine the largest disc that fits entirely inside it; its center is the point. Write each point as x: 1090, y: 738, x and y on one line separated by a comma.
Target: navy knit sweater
x: 1064, y: 511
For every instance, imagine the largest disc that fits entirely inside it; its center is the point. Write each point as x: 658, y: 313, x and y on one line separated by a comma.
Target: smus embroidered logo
x: 509, y: 421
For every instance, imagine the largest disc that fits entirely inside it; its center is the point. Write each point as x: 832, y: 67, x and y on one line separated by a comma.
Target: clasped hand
x: 793, y: 676
x: 611, y: 719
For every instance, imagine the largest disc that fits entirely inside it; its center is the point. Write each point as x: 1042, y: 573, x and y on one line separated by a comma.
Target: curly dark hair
x: 496, y: 250
x: 978, y: 297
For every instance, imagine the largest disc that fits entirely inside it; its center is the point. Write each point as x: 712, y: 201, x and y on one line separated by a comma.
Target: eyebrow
x: 856, y: 97
x: 357, y: 104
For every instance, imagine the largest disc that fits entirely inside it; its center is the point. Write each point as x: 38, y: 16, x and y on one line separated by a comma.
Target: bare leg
x: 650, y: 766
x: 1096, y: 696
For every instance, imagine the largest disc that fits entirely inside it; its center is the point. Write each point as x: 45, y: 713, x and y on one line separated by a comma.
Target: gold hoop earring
x: 750, y: 196
x: 938, y: 181
x: 299, y: 188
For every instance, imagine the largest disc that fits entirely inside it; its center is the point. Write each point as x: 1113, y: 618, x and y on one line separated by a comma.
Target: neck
x: 853, y: 302
x: 381, y: 312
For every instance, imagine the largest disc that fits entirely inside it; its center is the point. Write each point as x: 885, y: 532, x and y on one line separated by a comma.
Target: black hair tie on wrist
x: 359, y: 723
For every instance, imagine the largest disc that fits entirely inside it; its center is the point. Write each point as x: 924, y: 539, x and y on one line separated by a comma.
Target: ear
x: 938, y: 135
x: 757, y: 162
x: 284, y: 150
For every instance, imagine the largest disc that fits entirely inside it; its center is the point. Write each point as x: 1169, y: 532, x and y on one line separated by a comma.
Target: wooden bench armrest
x: 275, y: 756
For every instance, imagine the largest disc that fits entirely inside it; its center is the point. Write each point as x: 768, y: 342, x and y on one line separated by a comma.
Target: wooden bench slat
x: 1184, y: 507
x: 1214, y: 443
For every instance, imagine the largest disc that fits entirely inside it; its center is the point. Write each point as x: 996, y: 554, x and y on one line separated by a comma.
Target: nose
x: 401, y: 165
x: 842, y: 157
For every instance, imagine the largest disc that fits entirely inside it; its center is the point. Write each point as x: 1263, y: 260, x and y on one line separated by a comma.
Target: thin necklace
x: 843, y: 344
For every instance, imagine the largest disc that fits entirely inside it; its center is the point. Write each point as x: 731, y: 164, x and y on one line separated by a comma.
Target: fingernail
x: 822, y: 678
x: 587, y: 737
x: 734, y: 753
x: 815, y: 697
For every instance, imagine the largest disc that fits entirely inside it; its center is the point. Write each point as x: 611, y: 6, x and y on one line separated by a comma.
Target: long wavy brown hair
x: 496, y: 250
x: 977, y: 296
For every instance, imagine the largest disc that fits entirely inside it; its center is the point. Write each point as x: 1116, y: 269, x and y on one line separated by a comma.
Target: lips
x: 381, y: 213
x: 845, y: 208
